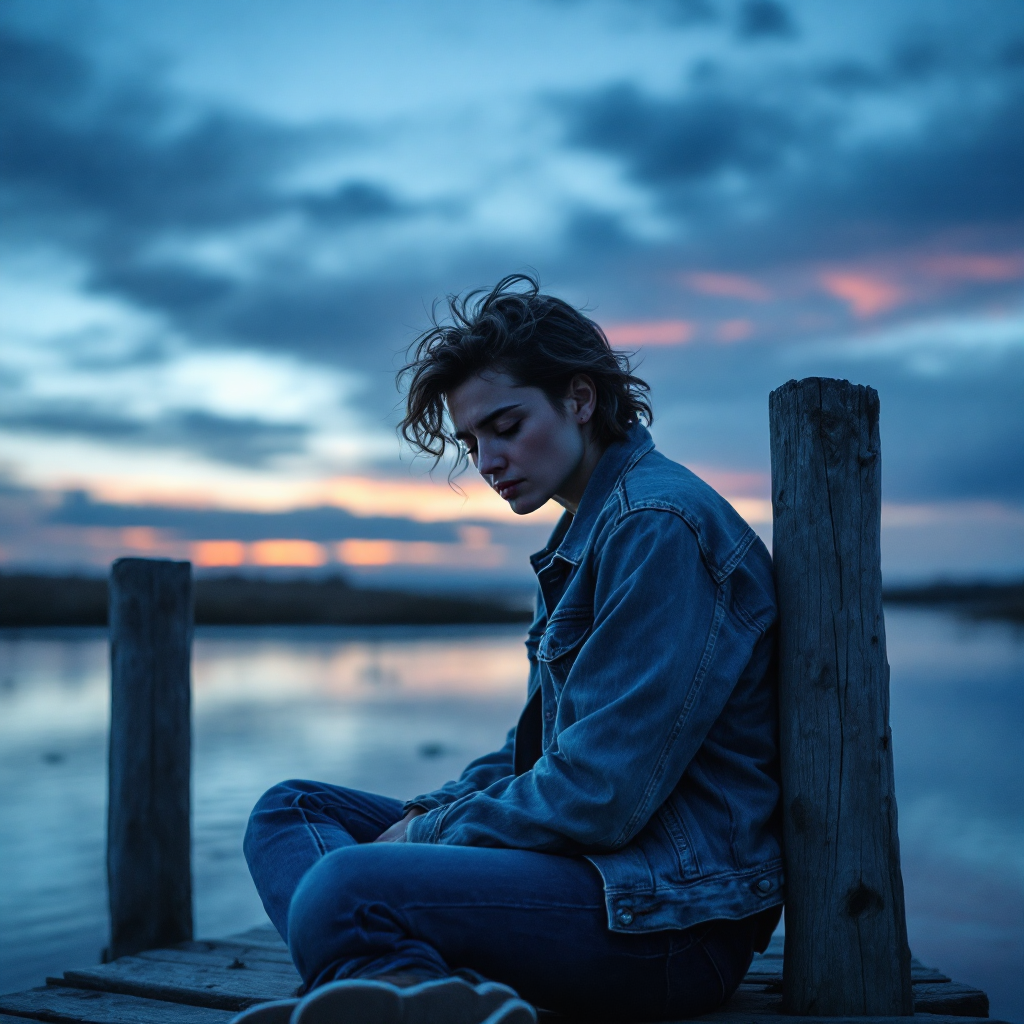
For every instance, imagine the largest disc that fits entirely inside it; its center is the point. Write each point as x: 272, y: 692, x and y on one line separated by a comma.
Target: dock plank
x: 731, y: 1017
x: 237, y: 958
x: 952, y: 998
x: 206, y: 981
x: 257, y: 950
x: 262, y: 934
x: 197, y: 984
x: 81, y: 1006
x: 947, y: 998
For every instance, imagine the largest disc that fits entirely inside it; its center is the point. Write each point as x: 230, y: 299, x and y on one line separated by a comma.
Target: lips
x: 507, y: 488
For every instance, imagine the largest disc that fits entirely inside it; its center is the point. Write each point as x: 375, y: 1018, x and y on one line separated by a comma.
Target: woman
x: 619, y: 857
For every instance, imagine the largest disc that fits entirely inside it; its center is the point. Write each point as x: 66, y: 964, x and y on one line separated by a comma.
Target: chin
x: 524, y: 506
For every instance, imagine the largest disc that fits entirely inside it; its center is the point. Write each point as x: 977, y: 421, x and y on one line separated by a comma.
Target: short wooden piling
x: 846, y: 950
x: 149, y: 869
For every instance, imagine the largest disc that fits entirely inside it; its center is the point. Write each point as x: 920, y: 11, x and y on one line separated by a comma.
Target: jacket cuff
x: 428, y: 802
x: 425, y: 828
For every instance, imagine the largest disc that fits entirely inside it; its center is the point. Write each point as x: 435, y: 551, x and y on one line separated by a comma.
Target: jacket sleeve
x: 647, y: 684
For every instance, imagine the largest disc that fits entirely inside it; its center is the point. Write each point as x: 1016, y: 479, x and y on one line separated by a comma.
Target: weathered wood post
x: 149, y: 869
x: 846, y: 935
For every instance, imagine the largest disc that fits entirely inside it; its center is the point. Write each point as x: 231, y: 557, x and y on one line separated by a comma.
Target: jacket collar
x: 571, y: 536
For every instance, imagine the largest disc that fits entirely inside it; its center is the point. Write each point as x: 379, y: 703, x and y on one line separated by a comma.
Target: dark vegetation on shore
x: 33, y: 600
x: 977, y: 600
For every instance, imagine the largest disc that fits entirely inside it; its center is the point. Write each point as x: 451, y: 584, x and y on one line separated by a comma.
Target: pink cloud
x: 977, y: 266
x: 729, y: 286
x: 651, y: 332
x: 866, y: 294
x: 734, y: 330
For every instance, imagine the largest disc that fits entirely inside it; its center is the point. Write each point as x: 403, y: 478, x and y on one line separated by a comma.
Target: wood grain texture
x: 89, y: 1007
x: 846, y: 950
x: 197, y: 984
x: 740, y: 1017
x: 148, y: 839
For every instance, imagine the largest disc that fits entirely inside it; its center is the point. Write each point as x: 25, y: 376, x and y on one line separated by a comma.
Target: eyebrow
x: 461, y: 435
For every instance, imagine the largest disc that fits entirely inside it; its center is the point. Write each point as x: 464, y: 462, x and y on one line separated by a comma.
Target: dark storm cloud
x: 713, y: 152
x: 762, y: 19
x: 751, y: 169
x: 353, y: 202
x: 243, y: 441
x: 112, y: 170
x: 316, y: 524
x: 126, y: 161
x: 688, y: 140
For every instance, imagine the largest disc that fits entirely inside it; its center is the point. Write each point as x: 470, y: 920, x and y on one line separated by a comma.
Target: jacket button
x: 548, y: 715
x: 625, y: 917
x: 765, y: 885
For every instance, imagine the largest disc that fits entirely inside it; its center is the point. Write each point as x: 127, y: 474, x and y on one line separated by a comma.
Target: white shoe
x: 438, y: 1001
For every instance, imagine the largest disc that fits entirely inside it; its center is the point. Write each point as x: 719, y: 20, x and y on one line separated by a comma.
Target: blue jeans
x: 537, y: 922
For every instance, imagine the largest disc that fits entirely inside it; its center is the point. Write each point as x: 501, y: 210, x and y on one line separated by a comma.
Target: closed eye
x: 509, y: 431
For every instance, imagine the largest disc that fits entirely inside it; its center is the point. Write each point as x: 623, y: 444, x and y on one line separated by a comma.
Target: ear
x: 581, y: 398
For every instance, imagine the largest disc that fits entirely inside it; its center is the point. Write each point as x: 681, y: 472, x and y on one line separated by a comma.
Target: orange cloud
x: 728, y: 286
x: 423, y: 498
x: 287, y: 552
x: 651, y: 332
x: 472, y: 554
x: 977, y: 266
x: 734, y: 330
x: 865, y: 294
x: 210, y: 553
x: 142, y: 539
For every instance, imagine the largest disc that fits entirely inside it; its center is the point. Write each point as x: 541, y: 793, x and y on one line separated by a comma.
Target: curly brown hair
x: 538, y: 340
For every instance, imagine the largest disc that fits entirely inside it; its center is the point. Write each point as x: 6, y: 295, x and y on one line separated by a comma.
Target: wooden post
x: 846, y: 935
x: 149, y: 869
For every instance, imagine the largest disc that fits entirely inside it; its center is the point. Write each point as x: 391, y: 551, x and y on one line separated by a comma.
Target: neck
x: 570, y: 494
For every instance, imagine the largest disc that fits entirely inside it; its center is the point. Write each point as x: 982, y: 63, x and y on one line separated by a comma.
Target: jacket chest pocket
x: 560, y: 646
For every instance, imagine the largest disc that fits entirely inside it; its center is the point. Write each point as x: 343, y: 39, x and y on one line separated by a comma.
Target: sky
x: 221, y: 225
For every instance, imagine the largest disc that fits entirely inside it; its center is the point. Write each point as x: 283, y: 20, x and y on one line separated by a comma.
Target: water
x: 399, y: 711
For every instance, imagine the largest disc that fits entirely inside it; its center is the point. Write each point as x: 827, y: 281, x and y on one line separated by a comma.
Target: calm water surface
x: 399, y: 710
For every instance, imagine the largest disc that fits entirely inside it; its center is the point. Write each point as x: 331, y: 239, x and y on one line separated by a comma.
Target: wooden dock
x: 844, y: 891
x: 208, y: 982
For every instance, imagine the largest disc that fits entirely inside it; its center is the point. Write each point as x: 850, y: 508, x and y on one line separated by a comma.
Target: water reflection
x: 401, y: 710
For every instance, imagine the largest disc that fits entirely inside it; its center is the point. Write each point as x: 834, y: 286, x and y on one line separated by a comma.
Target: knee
x: 344, y: 898
x: 284, y: 794
x: 320, y: 909
x: 260, y: 825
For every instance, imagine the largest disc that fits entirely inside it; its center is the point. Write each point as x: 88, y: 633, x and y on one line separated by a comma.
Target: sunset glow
x: 365, y: 553
x: 866, y: 295
x: 734, y: 330
x: 651, y: 332
x: 287, y: 552
x: 728, y: 286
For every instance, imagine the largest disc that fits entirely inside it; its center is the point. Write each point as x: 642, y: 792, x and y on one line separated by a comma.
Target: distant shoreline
x: 1003, y: 601
x: 28, y: 600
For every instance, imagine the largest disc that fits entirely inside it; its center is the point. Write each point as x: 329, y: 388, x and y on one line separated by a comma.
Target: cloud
x: 652, y: 332
x: 730, y: 286
x: 323, y: 524
x: 761, y: 173
x: 867, y: 295
x: 664, y: 142
x: 242, y: 441
x: 139, y: 183
x: 762, y: 19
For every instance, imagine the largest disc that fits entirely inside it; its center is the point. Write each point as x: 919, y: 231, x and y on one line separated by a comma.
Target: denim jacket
x: 648, y: 743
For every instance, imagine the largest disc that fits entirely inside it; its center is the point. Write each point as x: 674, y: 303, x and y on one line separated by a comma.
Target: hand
x: 396, y: 834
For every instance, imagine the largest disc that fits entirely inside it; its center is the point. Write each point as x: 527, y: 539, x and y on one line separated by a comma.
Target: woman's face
x: 527, y: 450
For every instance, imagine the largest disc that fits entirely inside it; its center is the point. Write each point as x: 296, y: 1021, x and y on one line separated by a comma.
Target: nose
x: 489, y: 462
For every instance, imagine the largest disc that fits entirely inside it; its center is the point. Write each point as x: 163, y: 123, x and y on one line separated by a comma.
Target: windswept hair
x: 538, y: 340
